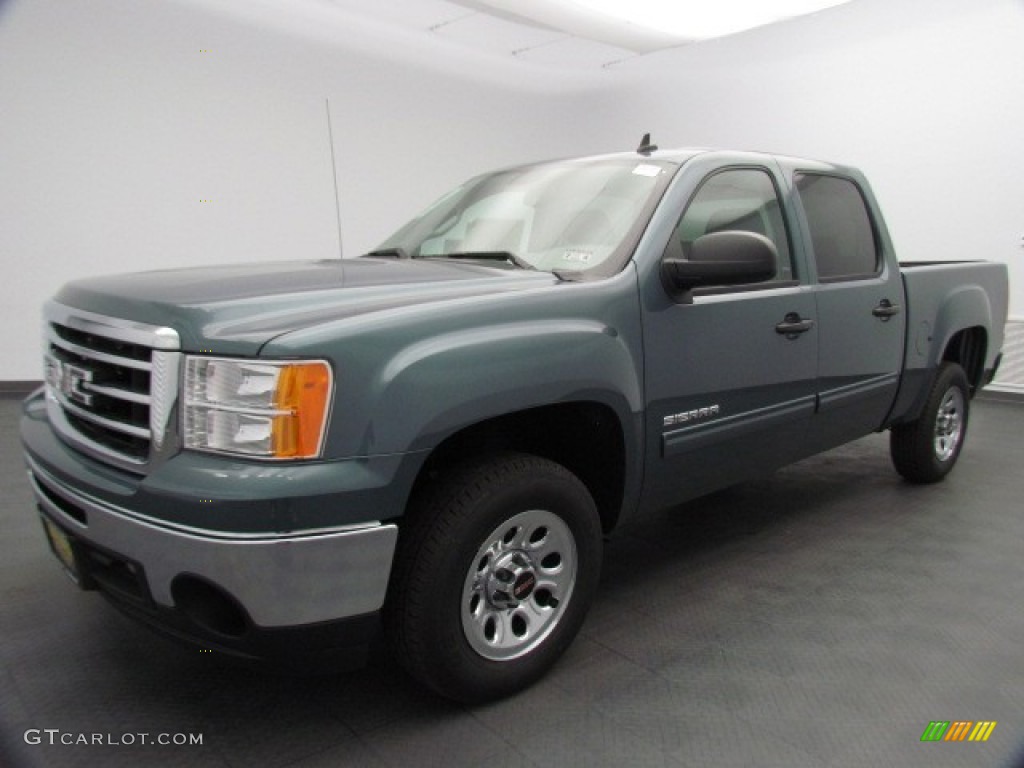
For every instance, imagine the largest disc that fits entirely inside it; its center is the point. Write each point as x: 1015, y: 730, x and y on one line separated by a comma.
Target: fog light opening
x: 209, y: 606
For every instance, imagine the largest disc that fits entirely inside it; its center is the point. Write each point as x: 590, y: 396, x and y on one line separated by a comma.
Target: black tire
x: 508, y: 519
x: 925, y: 450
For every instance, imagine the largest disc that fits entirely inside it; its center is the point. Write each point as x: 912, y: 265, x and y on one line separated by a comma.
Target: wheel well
x: 584, y: 437
x: 968, y: 348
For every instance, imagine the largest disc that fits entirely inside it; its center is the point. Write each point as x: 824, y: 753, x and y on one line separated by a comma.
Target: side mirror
x: 722, y: 258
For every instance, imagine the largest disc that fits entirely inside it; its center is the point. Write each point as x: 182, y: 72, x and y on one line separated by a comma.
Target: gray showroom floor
x: 820, y: 617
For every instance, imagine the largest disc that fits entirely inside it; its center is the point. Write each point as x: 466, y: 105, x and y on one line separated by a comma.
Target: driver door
x: 730, y: 391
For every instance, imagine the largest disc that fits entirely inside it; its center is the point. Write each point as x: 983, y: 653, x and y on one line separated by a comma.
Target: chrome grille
x: 111, y: 384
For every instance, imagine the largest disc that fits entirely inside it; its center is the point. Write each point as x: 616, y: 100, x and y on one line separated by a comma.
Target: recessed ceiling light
x: 700, y: 19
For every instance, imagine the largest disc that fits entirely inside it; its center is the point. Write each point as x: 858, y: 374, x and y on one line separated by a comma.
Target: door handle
x: 793, y: 325
x: 885, y: 310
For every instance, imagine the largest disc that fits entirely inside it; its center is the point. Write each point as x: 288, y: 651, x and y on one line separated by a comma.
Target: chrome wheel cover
x: 518, y: 585
x: 949, y: 424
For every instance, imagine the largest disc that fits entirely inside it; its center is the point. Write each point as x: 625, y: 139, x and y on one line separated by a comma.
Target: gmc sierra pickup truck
x: 427, y: 444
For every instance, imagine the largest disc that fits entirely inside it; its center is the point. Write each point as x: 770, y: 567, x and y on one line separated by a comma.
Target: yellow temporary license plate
x: 60, y: 543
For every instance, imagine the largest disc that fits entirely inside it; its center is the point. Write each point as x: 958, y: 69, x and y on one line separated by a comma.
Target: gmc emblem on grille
x: 69, y: 379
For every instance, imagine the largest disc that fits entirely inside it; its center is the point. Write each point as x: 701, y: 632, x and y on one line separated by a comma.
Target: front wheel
x: 495, y: 570
x: 925, y: 450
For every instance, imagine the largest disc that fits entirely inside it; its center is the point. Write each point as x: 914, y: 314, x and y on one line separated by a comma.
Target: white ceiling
x: 475, y: 25
x: 563, y: 36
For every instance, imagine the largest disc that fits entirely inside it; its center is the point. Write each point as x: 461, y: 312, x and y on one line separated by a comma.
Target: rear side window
x: 842, y: 235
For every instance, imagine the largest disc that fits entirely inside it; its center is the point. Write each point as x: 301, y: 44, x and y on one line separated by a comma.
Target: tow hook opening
x: 209, y: 606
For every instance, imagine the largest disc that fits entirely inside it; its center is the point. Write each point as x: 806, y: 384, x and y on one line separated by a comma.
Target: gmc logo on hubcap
x: 524, y: 586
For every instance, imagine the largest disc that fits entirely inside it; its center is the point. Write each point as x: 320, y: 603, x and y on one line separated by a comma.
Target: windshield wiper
x: 397, y: 252
x: 508, y: 256
x: 568, y: 275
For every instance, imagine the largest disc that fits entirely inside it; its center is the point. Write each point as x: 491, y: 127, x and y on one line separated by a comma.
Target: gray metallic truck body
x: 649, y: 400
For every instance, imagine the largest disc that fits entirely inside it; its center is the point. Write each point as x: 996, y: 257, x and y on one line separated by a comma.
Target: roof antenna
x: 646, y: 147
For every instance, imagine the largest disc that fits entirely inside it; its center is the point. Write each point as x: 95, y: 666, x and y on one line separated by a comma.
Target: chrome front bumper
x: 281, y: 580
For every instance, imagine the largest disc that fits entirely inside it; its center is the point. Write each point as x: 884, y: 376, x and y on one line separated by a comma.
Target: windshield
x: 581, y: 216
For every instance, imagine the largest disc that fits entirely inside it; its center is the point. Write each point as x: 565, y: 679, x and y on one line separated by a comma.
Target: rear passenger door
x: 859, y: 309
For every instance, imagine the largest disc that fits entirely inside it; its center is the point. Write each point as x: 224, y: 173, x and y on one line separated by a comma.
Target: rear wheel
x: 495, y: 571
x: 925, y: 450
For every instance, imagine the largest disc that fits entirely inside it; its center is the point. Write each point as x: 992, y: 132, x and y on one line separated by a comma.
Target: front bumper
x: 224, y: 588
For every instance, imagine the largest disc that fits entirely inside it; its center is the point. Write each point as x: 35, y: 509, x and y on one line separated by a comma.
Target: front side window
x: 743, y: 199
x: 576, y: 216
x: 842, y: 235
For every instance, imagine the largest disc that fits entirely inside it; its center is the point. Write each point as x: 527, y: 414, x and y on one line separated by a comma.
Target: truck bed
x: 942, y: 298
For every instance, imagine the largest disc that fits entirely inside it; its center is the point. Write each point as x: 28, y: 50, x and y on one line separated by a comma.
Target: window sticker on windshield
x: 575, y: 254
x: 646, y: 170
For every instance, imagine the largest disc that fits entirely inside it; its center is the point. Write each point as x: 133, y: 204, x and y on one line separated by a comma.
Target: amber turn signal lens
x: 303, y: 390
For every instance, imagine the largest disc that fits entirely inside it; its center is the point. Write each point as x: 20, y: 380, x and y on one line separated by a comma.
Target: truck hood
x: 236, y: 309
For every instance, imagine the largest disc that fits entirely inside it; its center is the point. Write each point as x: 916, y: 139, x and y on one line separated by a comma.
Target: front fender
x: 409, y: 376
x: 437, y: 386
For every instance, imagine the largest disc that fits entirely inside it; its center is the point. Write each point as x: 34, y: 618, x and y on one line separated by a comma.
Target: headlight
x: 277, y: 410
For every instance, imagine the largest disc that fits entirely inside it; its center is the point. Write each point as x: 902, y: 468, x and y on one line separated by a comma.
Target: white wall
x: 113, y: 126
x: 925, y: 96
